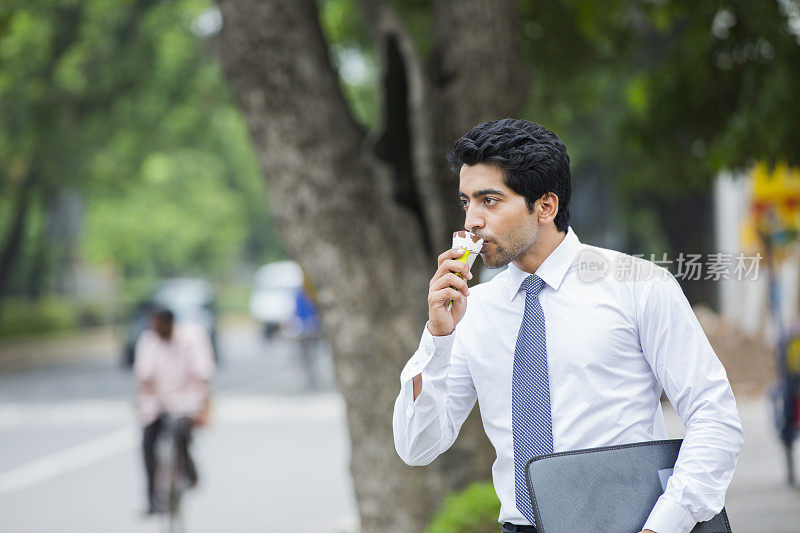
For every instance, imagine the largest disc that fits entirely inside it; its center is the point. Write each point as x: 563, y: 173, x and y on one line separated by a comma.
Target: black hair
x: 533, y: 158
x: 162, y: 312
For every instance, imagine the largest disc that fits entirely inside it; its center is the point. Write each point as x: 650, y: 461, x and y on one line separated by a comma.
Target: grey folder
x: 605, y: 490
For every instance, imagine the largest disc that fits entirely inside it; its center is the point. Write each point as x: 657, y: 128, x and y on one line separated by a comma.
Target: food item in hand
x: 471, y: 244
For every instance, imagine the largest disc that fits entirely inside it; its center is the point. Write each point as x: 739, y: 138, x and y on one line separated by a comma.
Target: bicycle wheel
x: 176, y: 487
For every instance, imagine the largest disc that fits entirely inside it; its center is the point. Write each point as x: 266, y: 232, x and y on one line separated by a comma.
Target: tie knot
x: 532, y: 284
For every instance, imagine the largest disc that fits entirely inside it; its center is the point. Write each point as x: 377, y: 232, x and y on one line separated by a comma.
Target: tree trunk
x: 12, y: 244
x: 477, y: 74
x: 365, y: 219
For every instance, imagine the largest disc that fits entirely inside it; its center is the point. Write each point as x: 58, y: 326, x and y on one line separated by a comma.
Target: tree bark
x: 365, y: 217
x: 477, y: 73
x: 407, y: 122
x: 12, y: 244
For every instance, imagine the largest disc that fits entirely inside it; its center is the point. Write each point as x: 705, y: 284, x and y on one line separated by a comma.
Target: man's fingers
x: 451, y: 265
x: 440, y: 297
x: 450, y: 280
x: 452, y: 253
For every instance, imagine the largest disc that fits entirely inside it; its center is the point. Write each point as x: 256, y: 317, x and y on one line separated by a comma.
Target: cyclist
x: 173, y: 365
x: 307, y: 326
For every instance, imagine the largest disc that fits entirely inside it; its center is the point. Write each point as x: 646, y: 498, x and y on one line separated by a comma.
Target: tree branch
x: 405, y: 137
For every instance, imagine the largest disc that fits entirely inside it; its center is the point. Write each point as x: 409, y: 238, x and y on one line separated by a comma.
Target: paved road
x: 275, y: 452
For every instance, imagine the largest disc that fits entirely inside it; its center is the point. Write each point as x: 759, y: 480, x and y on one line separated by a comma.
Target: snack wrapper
x: 471, y: 245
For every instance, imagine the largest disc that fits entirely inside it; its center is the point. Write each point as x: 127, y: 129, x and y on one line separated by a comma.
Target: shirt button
x: 409, y: 411
x: 428, y: 351
x: 437, y: 353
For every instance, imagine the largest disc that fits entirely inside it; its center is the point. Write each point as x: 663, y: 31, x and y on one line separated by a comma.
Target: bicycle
x: 170, y: 476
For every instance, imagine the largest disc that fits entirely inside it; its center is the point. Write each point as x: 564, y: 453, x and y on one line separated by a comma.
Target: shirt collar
x: 552, y: 270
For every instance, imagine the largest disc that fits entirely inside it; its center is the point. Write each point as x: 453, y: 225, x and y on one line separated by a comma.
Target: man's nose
x: 473, y: 220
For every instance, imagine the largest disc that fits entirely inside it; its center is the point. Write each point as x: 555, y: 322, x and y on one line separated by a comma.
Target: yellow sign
x: 775, y: 208
x: 777, y: 190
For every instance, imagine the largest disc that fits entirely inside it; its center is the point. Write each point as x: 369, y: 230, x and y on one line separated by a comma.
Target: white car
x: 275, y: 288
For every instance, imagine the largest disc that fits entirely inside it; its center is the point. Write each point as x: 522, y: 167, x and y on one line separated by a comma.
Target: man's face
x: 162, y: 326
x: 497, y: 214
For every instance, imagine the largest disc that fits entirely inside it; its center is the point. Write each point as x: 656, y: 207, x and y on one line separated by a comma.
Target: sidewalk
x: 758, y: 499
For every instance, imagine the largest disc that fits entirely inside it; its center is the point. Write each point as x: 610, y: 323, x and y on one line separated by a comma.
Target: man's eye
x: 490, y: 201
x: 463, y: 204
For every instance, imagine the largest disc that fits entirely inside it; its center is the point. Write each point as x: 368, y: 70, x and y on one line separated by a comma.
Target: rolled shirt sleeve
x: 696, y: 384
x: 425, y: 428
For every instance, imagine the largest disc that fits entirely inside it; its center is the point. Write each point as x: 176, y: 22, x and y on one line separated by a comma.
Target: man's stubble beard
x: 500, y: 258
x: 520, y: 243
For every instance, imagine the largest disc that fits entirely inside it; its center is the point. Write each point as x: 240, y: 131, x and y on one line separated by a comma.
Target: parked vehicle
x: 275, y: 288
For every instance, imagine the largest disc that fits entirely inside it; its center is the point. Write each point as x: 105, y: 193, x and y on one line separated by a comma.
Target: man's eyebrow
x: 482, y: 192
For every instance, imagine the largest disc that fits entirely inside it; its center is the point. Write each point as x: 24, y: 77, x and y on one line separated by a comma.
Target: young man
x: 560, y: 356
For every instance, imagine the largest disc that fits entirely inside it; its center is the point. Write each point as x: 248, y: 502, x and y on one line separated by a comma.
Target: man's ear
x: 546, y: 207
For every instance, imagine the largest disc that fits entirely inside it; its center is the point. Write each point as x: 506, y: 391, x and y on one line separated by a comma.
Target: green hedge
x: 475, y: 509
x: 49, y: 313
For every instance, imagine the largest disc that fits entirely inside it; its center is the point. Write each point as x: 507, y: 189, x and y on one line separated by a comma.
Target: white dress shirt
x: 178, y: 370
x: 613, y: 344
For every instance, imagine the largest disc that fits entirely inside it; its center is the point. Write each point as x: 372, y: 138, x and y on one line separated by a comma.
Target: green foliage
x: 353, y: 57
x: 475, y: 509
x: 717, y: 88
x: 665, y: 94
x: 342, y: 23
x: 416, y: 15
x: 48, y: 314
x: 653, y: 99
x: 180, y: 188
x: 124, y: 104
x: 181, y: 217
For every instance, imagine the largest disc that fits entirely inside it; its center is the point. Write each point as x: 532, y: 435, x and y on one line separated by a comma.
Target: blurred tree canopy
x: 121, y: 107
x: 653, y: 99
x: 668, y: 93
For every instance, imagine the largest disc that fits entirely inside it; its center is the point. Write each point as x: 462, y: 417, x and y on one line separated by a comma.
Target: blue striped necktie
x: 531, y: 419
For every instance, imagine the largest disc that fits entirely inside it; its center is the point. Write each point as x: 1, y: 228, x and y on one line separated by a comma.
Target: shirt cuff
x: 433, y: 355
x: 669, y: 517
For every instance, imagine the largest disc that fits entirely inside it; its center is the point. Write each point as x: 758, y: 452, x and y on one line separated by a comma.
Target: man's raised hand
x: 446, y: 286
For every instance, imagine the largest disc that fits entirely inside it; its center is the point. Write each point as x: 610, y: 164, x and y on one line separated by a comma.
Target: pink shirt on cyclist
x: 178, y: 371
